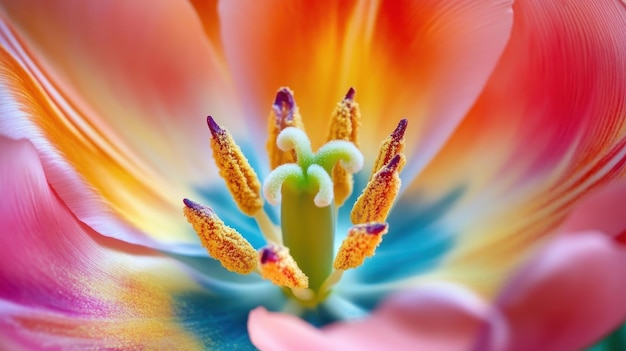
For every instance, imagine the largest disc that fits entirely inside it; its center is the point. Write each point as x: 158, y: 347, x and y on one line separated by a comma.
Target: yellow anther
x: 345, y: 121
x: 343, y: 183
x: 241, y: 180
x: 378, y: 196
x: 284, y: 114
x: 280, y: 268
x: 361, y: 243
x: 393, y: 145
x: 224, y: 243
x: 344, y: 125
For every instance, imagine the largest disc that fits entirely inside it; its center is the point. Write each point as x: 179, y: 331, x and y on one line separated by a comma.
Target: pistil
x: 305, y: 193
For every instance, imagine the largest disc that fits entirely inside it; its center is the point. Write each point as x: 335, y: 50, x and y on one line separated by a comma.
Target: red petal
x: 548, y: 129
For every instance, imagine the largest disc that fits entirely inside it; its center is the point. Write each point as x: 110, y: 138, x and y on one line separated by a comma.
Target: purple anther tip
x: 284, y: 103
x: 268, y: 255
x: 191, y: 204
x: 198, y: 207
x: 284, y: 96
x: 398, y: 133
x: 375, y: 228
x: 213, y: 127
x: 350, y: 94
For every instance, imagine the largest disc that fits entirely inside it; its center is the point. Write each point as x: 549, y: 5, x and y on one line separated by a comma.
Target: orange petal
x: 119, y: 92
x: 426, y: 61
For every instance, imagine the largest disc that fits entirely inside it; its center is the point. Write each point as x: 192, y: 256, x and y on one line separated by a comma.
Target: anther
x: 345, y: 120
x: 223, y: 243
x: 361, y: 243
x: 393, y: 145
x: 277, y: 266
x: 374, y: 204
x: 284, y: 114
x: 241, y: 180
x: 344, y: 125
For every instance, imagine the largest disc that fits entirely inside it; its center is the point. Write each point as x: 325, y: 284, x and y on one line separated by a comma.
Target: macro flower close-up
x: 303, y: 175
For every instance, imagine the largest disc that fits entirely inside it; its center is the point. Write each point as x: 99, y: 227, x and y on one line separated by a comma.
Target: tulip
x: 491, y: 218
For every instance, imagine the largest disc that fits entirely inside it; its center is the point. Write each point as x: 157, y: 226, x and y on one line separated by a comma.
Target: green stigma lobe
x: 295, y: 139
x: 339, y: 151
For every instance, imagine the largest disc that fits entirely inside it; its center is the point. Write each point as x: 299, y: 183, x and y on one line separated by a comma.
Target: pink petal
x: 604, y: 210
x: 62, y: 285
x: 426, y: 61
x: 435, y: 317
x: 568, y: 296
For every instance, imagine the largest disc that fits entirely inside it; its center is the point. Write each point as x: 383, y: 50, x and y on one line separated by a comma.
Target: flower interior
x: 309, y: 187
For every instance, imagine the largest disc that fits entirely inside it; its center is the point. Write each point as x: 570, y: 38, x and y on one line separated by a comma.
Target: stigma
x: 309, y: 186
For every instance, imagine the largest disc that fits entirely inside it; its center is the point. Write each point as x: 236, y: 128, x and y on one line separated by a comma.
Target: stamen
x: 344, y: 125
x: 277, y: 266
x: 377, y: 198
x: 331, y: 281
x: 284, y: 114
x: 393, y: 145
x: 361, y: 242
x: 223, y: 243
x: 241, y: 180
x: 270, y: 231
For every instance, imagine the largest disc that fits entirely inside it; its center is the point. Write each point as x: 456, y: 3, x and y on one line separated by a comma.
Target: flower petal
x: 602, y: 211
x: 568, y: 296
x: 549, y: 128
x: 127, y: 101
x: 63, y: 285
x: 435, y: 317
x: 426, y: 61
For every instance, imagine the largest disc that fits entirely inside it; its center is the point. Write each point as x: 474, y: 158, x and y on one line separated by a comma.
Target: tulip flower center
x: 309, y: 187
